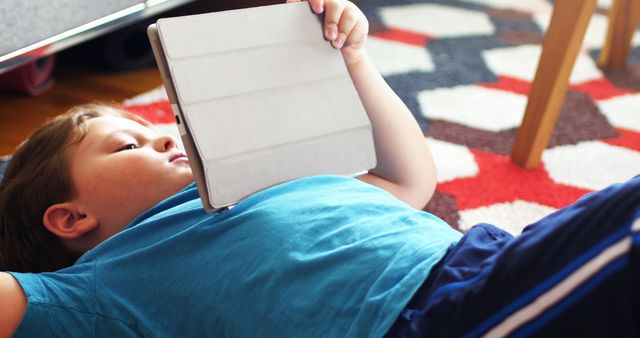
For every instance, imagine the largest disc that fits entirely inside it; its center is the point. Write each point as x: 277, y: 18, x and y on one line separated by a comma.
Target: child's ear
x: 66, y: 221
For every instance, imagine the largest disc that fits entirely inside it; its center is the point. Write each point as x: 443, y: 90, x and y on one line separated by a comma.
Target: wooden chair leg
x: 560, y: 48
x: 623, y: 20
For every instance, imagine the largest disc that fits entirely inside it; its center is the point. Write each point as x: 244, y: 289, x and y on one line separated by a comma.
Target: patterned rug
x: 464, y: 68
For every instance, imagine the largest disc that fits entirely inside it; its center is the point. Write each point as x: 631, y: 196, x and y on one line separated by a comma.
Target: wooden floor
x: 20, y: 115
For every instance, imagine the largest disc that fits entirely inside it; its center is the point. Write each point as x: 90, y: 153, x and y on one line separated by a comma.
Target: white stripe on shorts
x: 565, y: 287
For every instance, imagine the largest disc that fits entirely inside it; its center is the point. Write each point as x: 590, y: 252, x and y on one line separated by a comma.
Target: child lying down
x: 93, y: 249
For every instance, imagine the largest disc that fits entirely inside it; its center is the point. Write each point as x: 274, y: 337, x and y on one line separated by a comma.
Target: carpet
x: 464, y: 68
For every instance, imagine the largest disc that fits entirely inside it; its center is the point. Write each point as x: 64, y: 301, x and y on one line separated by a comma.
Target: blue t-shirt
x: 324, y: 256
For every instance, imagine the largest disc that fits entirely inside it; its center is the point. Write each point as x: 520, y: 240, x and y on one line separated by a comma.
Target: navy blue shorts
x: 575, y: 273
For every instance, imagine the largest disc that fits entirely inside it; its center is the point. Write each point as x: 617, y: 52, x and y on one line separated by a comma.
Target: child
x: 327, y: 256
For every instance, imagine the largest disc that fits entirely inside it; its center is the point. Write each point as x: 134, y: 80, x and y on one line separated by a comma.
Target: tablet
x: 260, y: 98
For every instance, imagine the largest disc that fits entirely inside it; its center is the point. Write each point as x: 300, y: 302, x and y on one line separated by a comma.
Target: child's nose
x: 165, y: 143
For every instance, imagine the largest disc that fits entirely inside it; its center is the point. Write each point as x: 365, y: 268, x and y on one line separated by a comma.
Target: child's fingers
x: 340, y: 19
x: 348, y: 21
x: 332, y: 13
x: 317, y: 6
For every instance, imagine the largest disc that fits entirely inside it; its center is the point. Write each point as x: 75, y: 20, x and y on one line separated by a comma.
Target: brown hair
x: 37, y: 177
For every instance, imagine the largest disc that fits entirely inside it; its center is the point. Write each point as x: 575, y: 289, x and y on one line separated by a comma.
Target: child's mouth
x: 177, y: 157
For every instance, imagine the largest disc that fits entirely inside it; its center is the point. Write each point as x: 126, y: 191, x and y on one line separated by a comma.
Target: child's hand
x: 345, y: 26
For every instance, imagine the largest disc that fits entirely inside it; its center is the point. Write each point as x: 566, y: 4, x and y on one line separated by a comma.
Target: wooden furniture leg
x: 623, y: 20
x: 560, y: 48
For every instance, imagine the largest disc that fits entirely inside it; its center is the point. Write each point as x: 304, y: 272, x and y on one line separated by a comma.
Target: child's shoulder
x: 14, y: 304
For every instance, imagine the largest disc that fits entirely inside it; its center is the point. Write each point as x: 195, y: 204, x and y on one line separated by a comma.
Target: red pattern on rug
x: 628, y: 139
x: 601, y: 89
x: 155, y: 112
x: 509, y: 84
x: 499, y: 180
x: 404, y: 36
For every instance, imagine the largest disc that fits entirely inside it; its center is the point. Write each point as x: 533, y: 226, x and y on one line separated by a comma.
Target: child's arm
x: 405, y: 166
x: 13, y: 304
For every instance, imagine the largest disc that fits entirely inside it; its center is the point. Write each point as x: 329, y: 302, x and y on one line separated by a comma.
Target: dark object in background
x: 125, y: 49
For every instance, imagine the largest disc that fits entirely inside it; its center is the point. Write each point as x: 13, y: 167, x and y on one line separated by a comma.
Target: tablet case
x: 260, y: 98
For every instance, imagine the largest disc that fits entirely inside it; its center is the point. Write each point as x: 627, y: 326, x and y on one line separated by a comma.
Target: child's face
x: 121, y: 168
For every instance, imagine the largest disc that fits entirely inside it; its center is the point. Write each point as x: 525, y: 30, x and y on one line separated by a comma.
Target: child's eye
x: 128, y: 147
